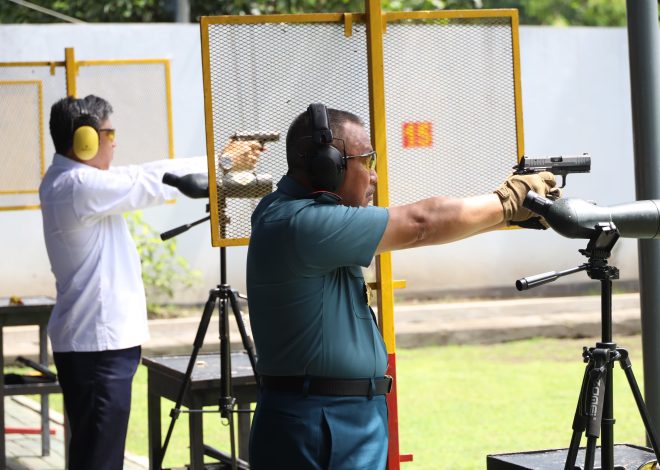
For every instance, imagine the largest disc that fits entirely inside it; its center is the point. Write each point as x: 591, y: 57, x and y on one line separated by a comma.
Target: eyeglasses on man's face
x: 369, y: 159
x: 110, y: 133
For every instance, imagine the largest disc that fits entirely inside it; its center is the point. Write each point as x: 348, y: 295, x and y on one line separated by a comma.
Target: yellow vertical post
x: 384, y: 261
x: 517, y: 88
x: 170, y: 125
x: 71, y: 71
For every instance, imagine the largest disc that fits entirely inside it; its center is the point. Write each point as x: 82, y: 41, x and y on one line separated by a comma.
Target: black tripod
x: 594, y: 410
x: 224, y: 297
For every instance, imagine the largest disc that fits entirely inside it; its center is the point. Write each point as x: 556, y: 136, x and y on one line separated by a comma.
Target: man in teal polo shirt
x: 321, y: 359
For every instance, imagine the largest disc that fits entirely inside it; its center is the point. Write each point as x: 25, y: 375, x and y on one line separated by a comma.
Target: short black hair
x: 298, y: 136
x: 65, y: 112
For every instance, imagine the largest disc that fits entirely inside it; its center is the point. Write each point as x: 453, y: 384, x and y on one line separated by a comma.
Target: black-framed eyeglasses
x: 111, y: 133
x: 369, y: 161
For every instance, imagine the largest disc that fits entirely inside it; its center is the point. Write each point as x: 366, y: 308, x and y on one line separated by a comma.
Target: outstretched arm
x: 440, y: 220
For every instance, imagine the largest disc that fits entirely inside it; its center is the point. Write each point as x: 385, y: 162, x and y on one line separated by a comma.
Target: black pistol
x: 559, y: 166
x: 261, y: 137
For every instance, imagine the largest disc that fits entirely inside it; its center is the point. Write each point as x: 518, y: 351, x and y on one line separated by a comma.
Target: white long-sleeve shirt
x: 100, y: 301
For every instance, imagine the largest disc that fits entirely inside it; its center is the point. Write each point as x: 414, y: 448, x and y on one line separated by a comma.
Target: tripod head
x: 193, y: 185
x: 599, y: 248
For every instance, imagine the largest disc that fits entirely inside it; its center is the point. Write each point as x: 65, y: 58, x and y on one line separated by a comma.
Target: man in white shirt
x: 99, y: 319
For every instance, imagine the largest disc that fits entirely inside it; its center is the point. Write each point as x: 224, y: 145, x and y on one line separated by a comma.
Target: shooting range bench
x: 30, y: 311
x: 165, y: 374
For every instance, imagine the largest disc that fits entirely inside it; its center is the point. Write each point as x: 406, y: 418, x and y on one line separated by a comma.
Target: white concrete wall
x: 575, y: 85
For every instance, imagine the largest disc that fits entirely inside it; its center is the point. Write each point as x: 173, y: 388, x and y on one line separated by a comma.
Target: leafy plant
x: 162, y: 268
x: 536, y: 12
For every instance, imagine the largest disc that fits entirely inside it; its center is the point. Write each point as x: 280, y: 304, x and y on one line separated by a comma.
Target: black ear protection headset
x: 85, y: 133
x: 326, y: 165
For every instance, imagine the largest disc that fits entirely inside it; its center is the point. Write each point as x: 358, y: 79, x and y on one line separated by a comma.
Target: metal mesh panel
x: 260, y: 76
x: 19, y: 130
x: 451, y: 106
x: 139, y: 91
x: 139, y: 94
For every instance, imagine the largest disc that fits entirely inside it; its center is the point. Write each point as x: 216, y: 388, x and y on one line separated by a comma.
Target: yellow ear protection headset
x: 85, y: 134
x: 326, y: 165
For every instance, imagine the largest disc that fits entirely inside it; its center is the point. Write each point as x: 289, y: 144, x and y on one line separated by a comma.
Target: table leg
x: 2, y: 404
x: 153, y: 413
x: 244, y: 420
x: 196, y: 429
x: 45, y: 421
x: 67, y: 440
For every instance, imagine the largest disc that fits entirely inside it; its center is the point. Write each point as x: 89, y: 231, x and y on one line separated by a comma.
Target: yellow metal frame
x: 168, y: 87
x: 205, y: 21
x: 512, y: 15
x: 348, y: 19
x: 71, y: 68
x: 376, y: 23
x: 51, y: 64
x: 19, y: 208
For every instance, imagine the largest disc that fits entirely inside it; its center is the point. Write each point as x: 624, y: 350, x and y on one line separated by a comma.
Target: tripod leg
x: 579, y: 420
x: 639, y: 400
x: 248, y: 344
x: 197, y: 345
x: 607, y: 423
x: 590, y: 453
x: 595, y: 393
x: 226, y: 400
x: 589, y: 411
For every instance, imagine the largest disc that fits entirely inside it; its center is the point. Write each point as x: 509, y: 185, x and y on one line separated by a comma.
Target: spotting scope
x: 577, y: 218
x: 241, y: 184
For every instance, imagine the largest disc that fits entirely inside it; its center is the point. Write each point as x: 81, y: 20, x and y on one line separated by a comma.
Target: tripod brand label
x: 595, y: 393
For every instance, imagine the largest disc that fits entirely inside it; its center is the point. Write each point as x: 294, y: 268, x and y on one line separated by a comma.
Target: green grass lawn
x: 457, y: 404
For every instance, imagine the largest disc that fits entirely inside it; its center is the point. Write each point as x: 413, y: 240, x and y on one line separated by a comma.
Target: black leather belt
x: 326, y: 386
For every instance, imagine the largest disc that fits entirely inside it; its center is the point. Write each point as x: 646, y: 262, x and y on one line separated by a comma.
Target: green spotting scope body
x: 577, y: 218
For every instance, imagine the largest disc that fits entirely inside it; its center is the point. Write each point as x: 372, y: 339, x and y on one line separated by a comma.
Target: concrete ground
x: 416, y: 325
x: 24, y: 450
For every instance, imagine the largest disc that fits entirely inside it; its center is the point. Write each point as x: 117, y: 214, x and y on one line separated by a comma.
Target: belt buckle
x: 389, y: 383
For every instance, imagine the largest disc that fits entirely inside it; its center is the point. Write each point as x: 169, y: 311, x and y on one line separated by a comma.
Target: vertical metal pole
x: 182, y: 11
x: 645, y: 96
x: 607, y: 422
x: 375, y: 57
x: 71, y: 72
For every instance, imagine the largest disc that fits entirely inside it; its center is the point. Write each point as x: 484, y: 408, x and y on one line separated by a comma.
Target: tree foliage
x: 536, y: 12
x: 162, y: 268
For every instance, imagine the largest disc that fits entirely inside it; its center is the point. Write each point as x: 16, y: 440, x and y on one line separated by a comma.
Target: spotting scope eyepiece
x: 577, y: 218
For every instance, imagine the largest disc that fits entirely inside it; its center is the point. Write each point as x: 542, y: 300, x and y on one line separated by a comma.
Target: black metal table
x: 32, y: 311
x: 626, y: 456
x: 165, y: 374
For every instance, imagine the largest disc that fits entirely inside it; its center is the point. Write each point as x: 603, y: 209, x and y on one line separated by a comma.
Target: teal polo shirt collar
x: 292, y: 188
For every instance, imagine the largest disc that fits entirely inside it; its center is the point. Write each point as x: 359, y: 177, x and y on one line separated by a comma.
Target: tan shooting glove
x: 514, y: 189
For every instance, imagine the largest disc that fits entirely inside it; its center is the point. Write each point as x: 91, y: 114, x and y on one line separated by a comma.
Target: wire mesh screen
x: 139, y: 94
x: 22, y: 136
x: 258, y: 78
x: 26, y: 145
x: 451, y: 106
x: 139, y: 91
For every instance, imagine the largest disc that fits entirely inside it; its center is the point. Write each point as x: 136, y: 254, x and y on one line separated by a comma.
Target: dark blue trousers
x: 97, y: 397
x: 293, y: 431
